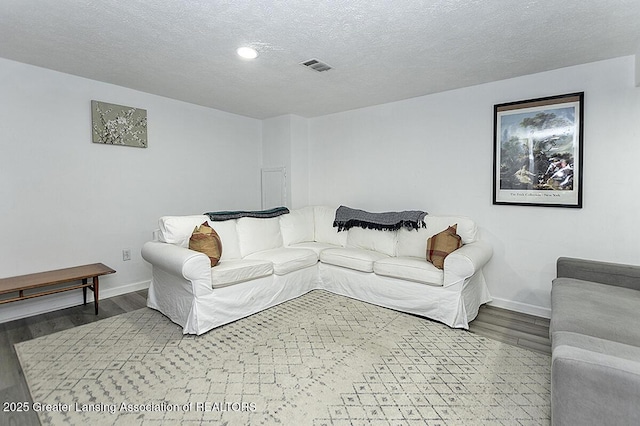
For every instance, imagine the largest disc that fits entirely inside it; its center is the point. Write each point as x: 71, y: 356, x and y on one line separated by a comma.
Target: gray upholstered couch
x: 595, y: 334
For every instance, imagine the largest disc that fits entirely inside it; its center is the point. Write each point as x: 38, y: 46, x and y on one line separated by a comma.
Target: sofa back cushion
x: 324, y: 231
x: 178, y: 229
x: 372, y: 239
x: 467, y: 228
x: 297, y: 226
x: 228, y: 233
x: 414, y: 242
x: 256, y: 235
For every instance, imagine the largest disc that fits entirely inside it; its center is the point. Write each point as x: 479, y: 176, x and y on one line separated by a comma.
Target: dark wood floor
x: 515, y: 328
x: 510, y: 327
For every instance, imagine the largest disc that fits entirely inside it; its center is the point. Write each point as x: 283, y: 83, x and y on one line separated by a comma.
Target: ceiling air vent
x: 316, y: 65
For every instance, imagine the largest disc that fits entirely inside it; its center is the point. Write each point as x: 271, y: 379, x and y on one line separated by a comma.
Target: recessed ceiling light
x: 247, y: 52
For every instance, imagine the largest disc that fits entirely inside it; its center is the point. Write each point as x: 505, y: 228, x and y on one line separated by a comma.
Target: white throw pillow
x: 228, y: 233
x: 178, y: 229
x: 325, y: 232
x: 258, y: 234
x: 372, y: 239
x: 297, y: 226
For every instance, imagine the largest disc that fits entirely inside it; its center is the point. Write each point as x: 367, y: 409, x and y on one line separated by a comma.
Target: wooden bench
x: 41, y: 280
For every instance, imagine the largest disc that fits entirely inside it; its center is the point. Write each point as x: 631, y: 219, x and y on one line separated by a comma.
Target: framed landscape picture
x: 537, y: 152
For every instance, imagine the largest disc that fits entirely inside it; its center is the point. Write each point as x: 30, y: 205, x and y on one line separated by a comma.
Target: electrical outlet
x: 126, y: 254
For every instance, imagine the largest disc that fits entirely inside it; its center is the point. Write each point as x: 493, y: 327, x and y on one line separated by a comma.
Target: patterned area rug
x: 320, y: 359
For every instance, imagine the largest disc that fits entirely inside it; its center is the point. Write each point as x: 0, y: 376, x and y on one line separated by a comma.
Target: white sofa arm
x: 466, y: 261
x: 179, y: 261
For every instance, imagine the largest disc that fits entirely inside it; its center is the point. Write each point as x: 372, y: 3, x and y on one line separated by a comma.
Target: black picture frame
x: 538, y: 152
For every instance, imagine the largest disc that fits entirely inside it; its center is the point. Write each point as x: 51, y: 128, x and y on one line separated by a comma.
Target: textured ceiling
x: 381, y: 51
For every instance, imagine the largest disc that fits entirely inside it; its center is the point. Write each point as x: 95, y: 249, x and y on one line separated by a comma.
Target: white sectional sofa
x: 265, y: 262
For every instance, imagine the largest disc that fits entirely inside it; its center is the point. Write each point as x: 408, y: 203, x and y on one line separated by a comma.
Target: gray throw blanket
x: 263, y: 214
x: 348, y: 218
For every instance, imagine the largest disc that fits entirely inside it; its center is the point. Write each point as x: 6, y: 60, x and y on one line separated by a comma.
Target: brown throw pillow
x: 206, y: 240
x: 442, y: 244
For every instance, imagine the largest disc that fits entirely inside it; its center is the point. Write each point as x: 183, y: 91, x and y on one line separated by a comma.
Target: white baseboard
x: 524, y: 308
x: 42, y: 305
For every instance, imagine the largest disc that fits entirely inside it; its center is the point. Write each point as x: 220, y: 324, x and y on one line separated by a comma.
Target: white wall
x: 286, y: 144
x: 66, y: 201
x: 637, y: 56
x: 299, y: 162
x: 435, y: 153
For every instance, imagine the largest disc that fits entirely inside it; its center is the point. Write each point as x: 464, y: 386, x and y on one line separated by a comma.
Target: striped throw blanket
x: 262, y: 214
x: 348, y: 218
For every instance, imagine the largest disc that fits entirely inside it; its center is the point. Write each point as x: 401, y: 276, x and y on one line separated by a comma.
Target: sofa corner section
x: 183, y: 286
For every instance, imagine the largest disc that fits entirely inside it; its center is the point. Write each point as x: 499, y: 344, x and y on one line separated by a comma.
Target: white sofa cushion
x: 467, y: 228
x: 412, y: 242
x: 228, y: 234
x: 325, y: 232
x: 352, y: 258
x: 178, y: 229
x: 371, y: 239
x: 228, y: 272
x: 315, y: 246
x: 297, y: 226
x: 286, y: 260
x: 409, y: 268
x: 256, y: 235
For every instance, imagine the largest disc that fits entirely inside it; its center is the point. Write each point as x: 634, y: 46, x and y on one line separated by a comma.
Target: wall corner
x: 637, y: 69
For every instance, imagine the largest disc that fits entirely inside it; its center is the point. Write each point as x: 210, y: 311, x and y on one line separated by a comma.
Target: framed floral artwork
x: 118, y: 125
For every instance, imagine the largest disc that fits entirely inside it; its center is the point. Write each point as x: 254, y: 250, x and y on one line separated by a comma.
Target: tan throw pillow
x: 442, y: 244
x: 206, y: 240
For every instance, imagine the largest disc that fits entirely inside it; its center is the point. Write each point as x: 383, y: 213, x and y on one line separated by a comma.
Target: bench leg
x: 84, y: 291
x: 95, y: 293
